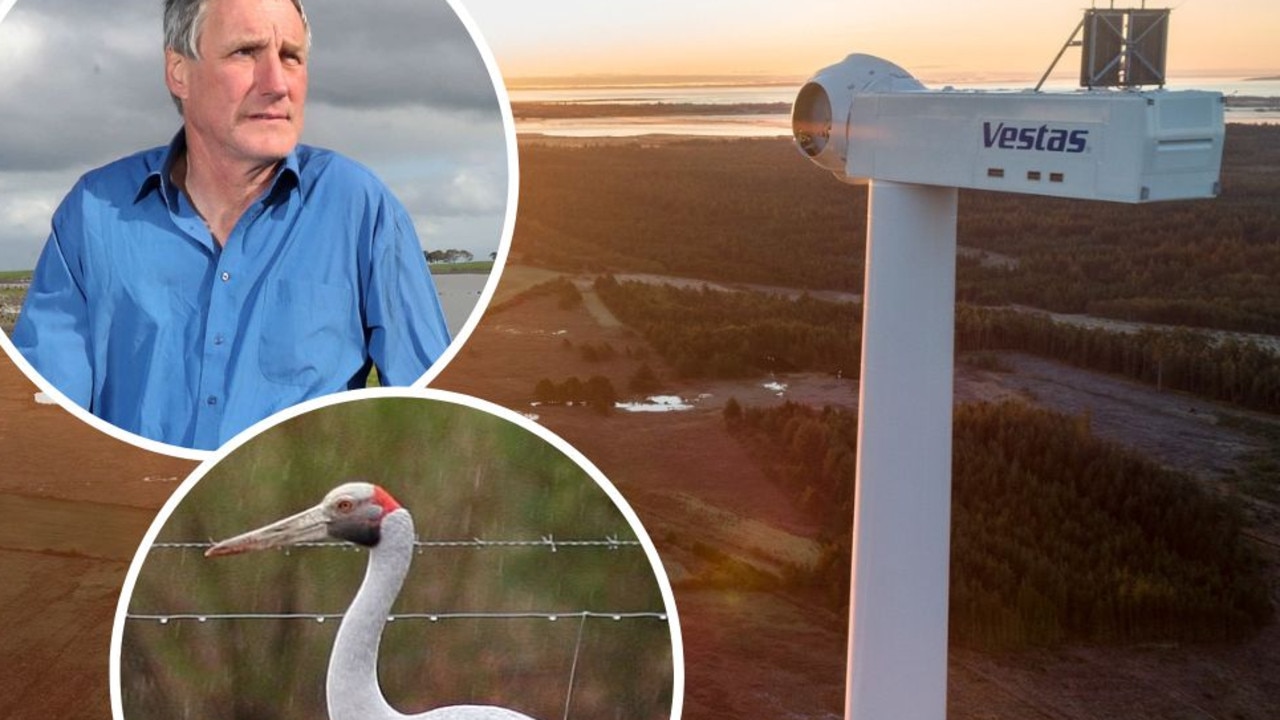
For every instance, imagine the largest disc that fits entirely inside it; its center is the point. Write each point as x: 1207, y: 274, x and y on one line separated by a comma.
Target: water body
x: 656, y: 403
x: 785, y: 91
x: 459, y: 295
x: 778, y: 124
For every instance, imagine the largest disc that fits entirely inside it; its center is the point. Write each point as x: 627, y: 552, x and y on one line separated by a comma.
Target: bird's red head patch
x: 384, y: 500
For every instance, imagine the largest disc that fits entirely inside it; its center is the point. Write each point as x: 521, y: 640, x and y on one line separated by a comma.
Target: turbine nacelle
x: 867, y: 119
x: 820, y: 116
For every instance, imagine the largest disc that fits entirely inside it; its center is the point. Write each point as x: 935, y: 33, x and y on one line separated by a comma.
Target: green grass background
x: 462, y: 474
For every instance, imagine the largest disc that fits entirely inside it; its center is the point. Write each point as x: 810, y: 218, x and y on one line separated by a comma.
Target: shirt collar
x: 288, y: 175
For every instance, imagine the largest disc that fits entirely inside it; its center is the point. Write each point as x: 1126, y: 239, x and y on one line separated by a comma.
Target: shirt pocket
x: 310, y: 331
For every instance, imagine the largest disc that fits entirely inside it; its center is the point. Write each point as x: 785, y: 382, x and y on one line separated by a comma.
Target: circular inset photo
x: 395, y: 554
x: 217, y: 209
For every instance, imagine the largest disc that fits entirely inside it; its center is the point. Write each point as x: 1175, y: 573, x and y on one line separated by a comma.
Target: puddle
x: 656, y: 403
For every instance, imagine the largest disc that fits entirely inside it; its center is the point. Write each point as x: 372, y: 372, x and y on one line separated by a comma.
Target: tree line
x: 743, y: 210
x: 597, y: 392
x: 713, y: 333
x: 710, y: 333
x: 755, y: 211
x: 1227, y: 369
x: 1197, y: 263
x: 1056, y: 536
x: 452, y: 255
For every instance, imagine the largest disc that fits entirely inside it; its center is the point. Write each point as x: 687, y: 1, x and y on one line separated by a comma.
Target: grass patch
x: 10, y: 304
x: 479, y: 267
x: 986, y: 361
x: 1260, y: 475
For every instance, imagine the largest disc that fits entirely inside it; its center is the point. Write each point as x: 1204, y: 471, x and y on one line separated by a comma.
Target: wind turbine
x: 871, y: 122
x: 367, y: 515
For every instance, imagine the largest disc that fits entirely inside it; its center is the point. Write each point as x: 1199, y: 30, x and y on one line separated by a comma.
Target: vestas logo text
x: 1010, y: 137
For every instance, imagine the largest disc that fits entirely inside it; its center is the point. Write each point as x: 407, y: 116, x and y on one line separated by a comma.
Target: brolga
x: 366, y: 515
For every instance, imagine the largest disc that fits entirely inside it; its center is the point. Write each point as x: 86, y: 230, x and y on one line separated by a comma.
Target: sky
x: 934, y: 39
x: 398, y: 85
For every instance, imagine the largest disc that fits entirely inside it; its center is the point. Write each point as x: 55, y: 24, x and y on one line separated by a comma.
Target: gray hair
x: 183, y: 20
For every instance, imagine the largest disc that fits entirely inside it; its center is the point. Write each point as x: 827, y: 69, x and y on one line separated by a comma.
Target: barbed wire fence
x: 609, y: 543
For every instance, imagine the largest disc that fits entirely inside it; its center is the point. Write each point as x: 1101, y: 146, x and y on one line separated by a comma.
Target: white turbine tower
x: 869, y: 121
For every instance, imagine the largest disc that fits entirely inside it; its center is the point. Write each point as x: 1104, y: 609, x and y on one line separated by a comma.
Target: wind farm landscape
x: 1116, y: 443
x: 1132, y: 352
x: 683, y: 302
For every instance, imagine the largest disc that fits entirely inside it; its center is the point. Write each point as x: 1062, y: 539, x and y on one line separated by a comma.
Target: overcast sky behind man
x: 396, y: 85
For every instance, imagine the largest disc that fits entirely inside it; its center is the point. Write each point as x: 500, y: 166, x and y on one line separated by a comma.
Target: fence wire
x: 611, y: 542
x: 167, y: 618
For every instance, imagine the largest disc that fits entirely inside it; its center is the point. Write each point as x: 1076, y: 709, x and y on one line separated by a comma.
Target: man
x: 189, y: 291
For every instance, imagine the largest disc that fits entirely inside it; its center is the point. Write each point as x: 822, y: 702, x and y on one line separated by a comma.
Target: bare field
x: 70, y: 527
x: 57, y: 615
x: 77, y: 504
x: 752, y: 652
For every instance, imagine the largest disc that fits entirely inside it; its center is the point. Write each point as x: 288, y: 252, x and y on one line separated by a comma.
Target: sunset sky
x: 935, y: 40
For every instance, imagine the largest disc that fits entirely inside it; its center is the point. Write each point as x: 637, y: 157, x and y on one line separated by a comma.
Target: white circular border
x: 454, y: 347
x: 513, y: 192
x: 511, y: 416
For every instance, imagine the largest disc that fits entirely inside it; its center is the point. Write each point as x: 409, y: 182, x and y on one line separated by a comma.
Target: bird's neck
x: 352, y: 686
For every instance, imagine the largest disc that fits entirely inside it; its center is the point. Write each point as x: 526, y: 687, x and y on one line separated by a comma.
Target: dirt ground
x: 756, y: 653
x: 76, y: 506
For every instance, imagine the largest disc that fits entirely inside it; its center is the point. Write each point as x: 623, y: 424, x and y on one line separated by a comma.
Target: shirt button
x: 212, y: 400
x: 226, y: 276
x: 219, y: 339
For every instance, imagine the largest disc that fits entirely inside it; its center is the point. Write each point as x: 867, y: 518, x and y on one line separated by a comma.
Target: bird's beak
x: 306, y: 526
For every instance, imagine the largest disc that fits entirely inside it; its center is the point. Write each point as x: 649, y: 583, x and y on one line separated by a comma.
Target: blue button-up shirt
x: 136, y: 313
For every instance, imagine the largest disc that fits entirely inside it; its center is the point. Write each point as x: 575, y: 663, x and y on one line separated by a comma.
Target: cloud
x: 445, y: 233
x: 396, y: 84
x: 27, y: 202
x: 70, y: 65
x: 474, y: 191
x: 423, y: 56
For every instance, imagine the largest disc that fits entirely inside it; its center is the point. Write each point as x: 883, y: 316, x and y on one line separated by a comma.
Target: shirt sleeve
x: 405, y: 323
x: 52, y: 331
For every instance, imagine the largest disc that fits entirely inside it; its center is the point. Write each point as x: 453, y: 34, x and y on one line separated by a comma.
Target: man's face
x: 243, y: 99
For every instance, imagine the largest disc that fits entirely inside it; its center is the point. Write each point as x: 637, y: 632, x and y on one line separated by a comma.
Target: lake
x: 778, y: 124
x: 459, y: 295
